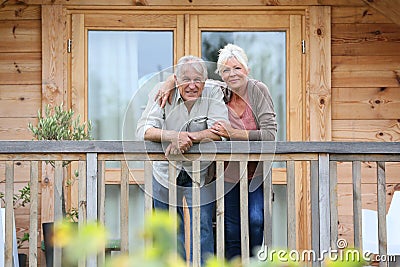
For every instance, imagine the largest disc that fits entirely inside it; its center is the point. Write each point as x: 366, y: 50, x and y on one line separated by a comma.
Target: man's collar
x: 178, y: 96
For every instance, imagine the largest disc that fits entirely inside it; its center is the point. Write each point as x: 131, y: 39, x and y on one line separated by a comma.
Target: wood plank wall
x: 20, y: 69
x: 20, y: 87
x: 365, y: 76
x: 365, y: 98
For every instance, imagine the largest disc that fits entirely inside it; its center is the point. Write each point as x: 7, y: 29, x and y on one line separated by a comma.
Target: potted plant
x: 59, y: 124
x: 22, y: 257
x: 20, y: 199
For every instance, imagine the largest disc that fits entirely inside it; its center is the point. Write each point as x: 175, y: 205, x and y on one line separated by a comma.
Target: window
x: 120, y: 62
x: 267, y: 61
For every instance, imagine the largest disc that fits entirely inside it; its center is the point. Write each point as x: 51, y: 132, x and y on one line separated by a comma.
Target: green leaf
x: 59, y: 124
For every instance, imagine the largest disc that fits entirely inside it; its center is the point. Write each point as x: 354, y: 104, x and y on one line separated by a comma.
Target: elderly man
x: 187, y: 120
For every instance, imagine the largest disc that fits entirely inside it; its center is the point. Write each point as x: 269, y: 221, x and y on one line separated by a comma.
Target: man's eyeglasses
x: 196, y: 81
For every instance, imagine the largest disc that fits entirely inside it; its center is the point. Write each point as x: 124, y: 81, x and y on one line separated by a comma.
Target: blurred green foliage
x: 160, y: 231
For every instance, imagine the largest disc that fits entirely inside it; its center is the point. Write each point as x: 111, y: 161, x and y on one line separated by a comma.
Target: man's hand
x: 180, y: 145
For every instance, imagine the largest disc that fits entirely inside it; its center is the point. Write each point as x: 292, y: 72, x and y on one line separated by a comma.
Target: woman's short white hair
x: 190, y: 61
x: 229, y: 51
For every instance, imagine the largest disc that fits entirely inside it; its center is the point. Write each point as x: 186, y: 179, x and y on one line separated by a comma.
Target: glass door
x: 112, y: 56
x: 119, y: 63
x: 267, y: 61
x: 269, y: 42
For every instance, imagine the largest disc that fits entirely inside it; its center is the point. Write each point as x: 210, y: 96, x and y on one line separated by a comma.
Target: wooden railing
x: 320, y: 159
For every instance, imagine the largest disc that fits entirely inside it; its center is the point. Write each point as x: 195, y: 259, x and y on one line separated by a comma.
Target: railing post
x: 8, y: 240
x: 196, y: 232
x: 334, y: 203
x: 357, y: 208
x: 220, y: 193
x: 124, y: 208
x: 91, y: 186
x: 314, y: 199
x: 324, y: 203
x: 244, y: 212
x: 291, y: 202
x: 381, y: 190
x: 173, y: 204
x: 33, y: 213
x: 58, y: 203
x: 91, y: 193
x: 82, y: 199
x: 148, y: 195
x: 148, y: 189
x: 101, y: 200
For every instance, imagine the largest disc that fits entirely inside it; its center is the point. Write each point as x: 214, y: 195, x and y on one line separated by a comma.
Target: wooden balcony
x: 315, y: 162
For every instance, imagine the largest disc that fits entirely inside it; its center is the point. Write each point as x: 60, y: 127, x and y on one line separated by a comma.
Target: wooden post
x: 196, y: 233
x: 8, y: 240
x: 124, y: 208
x: 82, y: 199
x: 220, y: 213
x: 334, y: 203
x: 91, y: 193
x: 52, y: 19
x: 172, y: 199
x: 291, y: 202
x: 314, y: 198
x: 324, y: 203
x: 33, y: 214
x: 357, y: 212
x: 381, y: 190
x: 268, y: 195
x: 58, y: 203
x: 244, y: 212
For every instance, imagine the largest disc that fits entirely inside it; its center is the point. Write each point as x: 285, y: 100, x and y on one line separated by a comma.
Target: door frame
x: 67, y: 83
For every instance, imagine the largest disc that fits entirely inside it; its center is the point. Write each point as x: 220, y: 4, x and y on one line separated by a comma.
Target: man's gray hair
x: 229, y: 51
x: 193, y: 62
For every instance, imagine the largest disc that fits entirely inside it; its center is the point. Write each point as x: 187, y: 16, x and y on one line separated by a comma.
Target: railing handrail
x: 322, y: 157
x: 220, y: 147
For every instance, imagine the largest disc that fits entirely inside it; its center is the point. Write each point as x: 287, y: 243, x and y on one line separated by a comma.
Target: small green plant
x: 159, y: 228
x: 21, y: 198
x: 72, y: 215
x: 21, y: 240
x: 59, y: 124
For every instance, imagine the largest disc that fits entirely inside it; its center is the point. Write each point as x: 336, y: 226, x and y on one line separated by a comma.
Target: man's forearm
x: 158, y: 135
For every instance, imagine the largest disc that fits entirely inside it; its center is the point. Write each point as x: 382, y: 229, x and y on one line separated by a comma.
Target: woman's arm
x: 224, y: 129
x: 263, y: 109
x: 164, y: 93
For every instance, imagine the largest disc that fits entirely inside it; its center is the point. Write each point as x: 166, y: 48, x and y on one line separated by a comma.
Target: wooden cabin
x: 341, y: 75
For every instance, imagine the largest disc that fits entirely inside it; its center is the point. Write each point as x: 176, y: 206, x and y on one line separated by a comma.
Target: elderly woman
x: 251, y: 117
